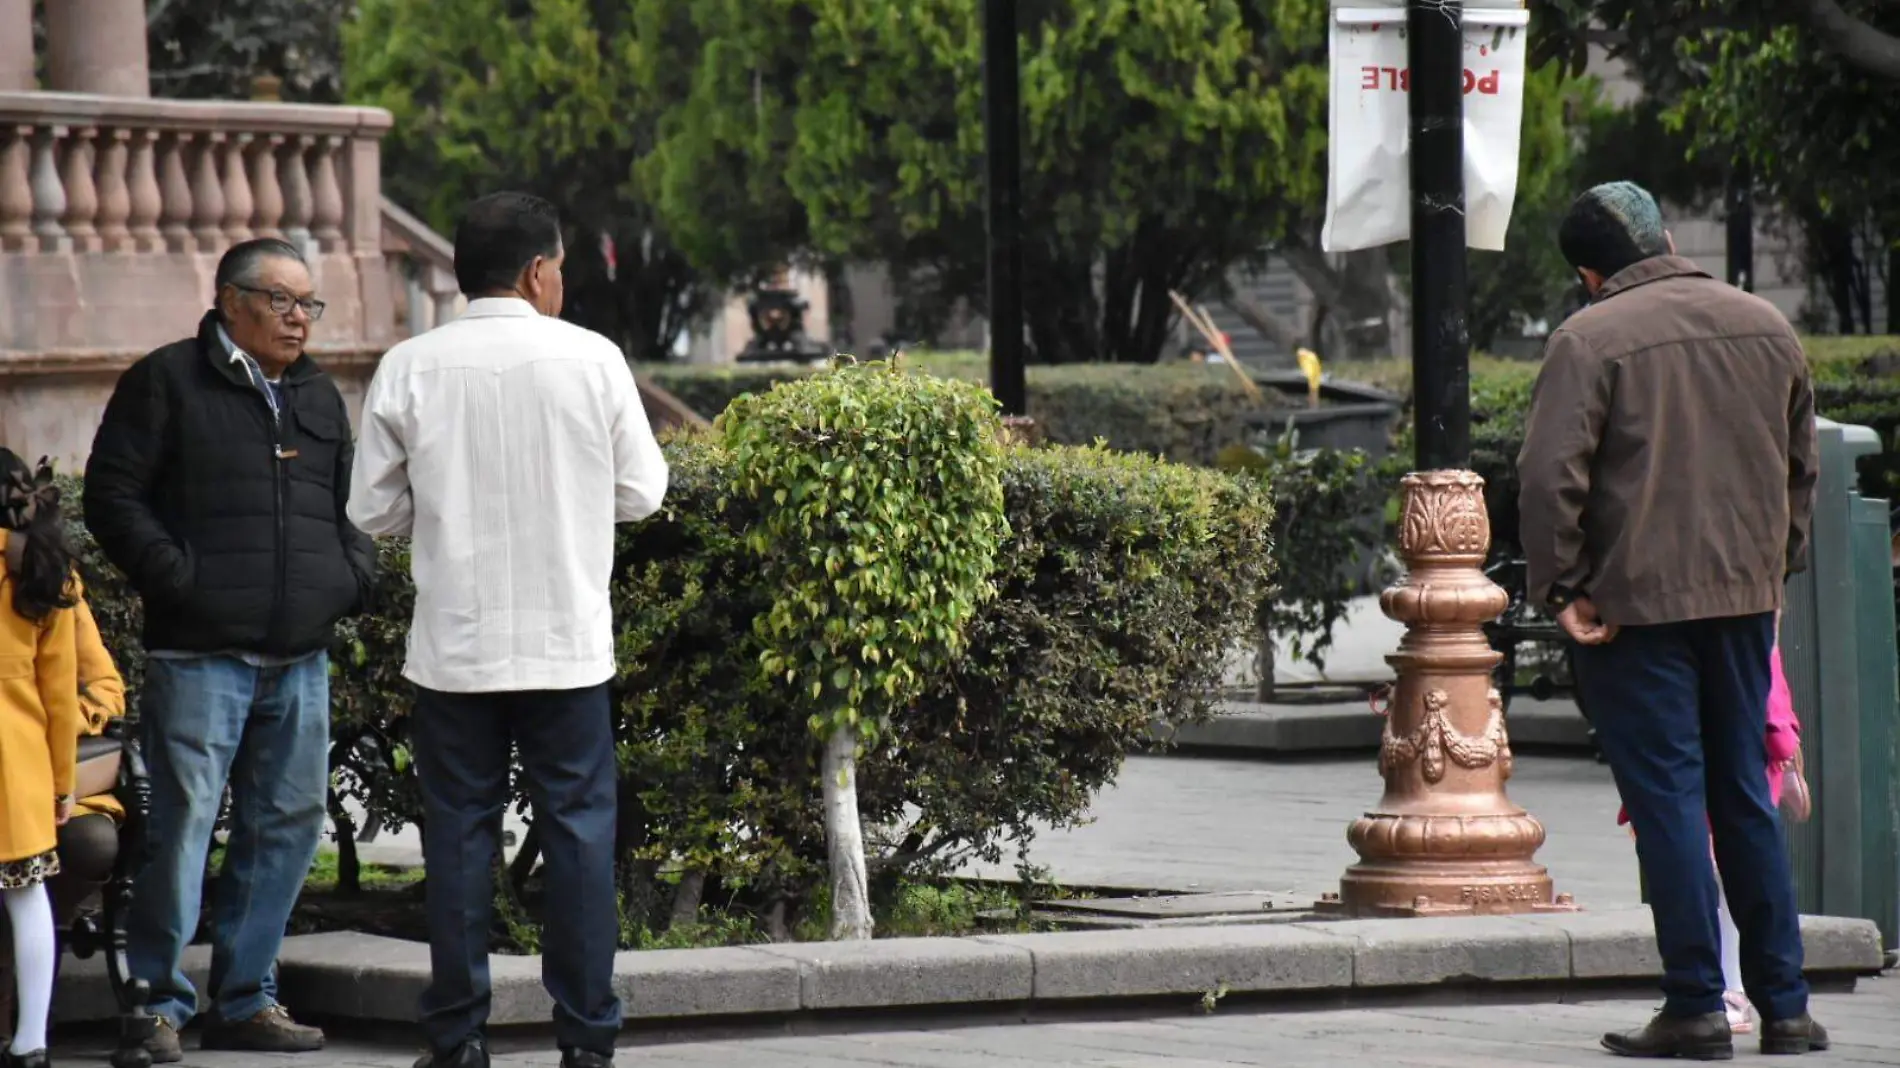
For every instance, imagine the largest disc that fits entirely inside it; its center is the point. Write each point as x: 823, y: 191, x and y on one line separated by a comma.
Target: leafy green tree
x: 1162, y: 141
x: 538, y: 95
x: 1821, y: 137
x: 880, y: 501
x: 1788, y: 99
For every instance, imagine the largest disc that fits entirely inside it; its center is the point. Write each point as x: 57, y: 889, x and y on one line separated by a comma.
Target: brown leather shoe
x: 1690, y: 1038
x: 1790, y: 1037
x: 270, y: 1031
x: 164, y: 1046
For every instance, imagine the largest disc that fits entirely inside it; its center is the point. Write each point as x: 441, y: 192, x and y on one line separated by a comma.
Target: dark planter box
x: 1350, y: 416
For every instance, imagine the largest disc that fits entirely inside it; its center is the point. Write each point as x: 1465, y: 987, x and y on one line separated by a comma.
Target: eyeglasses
x: 281, y: 302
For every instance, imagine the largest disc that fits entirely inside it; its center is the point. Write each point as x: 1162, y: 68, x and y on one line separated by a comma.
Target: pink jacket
x: 1784, y: 730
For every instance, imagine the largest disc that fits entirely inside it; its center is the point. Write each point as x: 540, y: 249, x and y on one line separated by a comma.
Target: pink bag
x: 1786, y: 770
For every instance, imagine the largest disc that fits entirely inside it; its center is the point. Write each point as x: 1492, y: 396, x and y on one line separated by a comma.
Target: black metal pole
x: 1741, y: 226
x: 1002, y: 105
x: 1441, y: 339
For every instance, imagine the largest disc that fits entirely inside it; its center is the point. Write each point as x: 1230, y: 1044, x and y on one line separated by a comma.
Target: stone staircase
x: 1278, y: 291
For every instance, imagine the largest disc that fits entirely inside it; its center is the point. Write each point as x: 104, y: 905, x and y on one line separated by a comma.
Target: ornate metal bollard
x: 1444, y: 839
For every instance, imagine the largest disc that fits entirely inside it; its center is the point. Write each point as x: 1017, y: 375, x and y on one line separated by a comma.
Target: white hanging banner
x: 1369, y: 182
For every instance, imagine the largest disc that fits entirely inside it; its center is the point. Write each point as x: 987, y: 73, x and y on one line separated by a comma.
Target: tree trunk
x: 1263, y: 669
x: 1854, y: 39
x: 686, y: 899
x: 1263, y: 321
x: 349, y: 868
x: 525, y: 857
x: 844, y: 838
x: 778, y: 924
x: 639, y: 892
x: 1893, y: 289
x: 1353, y: 301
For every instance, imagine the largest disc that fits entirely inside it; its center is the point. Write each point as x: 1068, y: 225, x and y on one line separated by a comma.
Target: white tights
x: 1731, y: 943
x: 31, y: 913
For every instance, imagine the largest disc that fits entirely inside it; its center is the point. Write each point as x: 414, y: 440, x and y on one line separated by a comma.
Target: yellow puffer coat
x: 101, y: 697
x: 39, y: 722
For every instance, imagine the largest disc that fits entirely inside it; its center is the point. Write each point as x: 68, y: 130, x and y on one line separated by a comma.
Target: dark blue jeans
x: 1681, y: 712
x: 566, y: 744
x: 206, y: 722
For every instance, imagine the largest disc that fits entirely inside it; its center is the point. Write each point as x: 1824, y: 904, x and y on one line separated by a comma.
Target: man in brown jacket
x: 1668, y: 478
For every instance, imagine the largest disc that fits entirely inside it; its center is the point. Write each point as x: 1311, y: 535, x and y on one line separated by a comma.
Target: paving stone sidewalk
x: 1866, y: 1027
x: 1187, y: 824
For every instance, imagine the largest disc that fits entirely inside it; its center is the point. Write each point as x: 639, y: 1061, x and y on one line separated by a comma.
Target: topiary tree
x: 879, y: 518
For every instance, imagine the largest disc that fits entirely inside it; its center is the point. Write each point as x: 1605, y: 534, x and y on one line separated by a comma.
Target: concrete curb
x: 371, y: 979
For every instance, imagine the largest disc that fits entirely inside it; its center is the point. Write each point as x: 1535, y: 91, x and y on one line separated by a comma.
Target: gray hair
x: 243, y: 261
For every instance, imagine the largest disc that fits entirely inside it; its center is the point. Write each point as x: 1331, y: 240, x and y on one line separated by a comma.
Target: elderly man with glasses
x: 218, y: 483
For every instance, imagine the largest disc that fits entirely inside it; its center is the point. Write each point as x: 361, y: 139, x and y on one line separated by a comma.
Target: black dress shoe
x: 470, y: 1054
x: 36, y: 1059
x: 1788, y: 1037
x: 585, y: 1058
x: 1690, y: 1038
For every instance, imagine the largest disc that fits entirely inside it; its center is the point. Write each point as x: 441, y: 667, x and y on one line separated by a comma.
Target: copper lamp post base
x: 1444, y: 839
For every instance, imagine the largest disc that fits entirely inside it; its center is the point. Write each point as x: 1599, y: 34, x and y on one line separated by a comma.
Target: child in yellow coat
x: 39, y: 732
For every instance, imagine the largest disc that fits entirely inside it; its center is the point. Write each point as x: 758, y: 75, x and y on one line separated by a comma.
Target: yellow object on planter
x: 1309, y: 366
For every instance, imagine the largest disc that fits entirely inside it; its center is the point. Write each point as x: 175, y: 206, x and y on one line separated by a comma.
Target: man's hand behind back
x: 1580, y: 620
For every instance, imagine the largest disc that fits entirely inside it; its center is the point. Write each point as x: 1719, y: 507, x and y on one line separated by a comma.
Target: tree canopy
x: 1162, y: 141
x: 1776, y: 95
x: 537, y: 95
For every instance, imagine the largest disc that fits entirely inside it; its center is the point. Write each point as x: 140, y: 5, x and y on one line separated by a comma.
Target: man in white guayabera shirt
x: 507, y: 444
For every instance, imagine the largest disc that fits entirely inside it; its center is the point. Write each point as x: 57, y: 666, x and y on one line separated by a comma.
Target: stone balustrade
x: 114, y: 211
x: 93, y: 174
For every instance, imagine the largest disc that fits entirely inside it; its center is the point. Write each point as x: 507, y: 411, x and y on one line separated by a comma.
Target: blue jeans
x: 207, y: 722
x: 566, y: 743
x: 1681, y: 712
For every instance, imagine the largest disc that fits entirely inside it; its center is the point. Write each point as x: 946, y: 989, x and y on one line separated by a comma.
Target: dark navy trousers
x: 566, y: 744
x: 1681, y: 711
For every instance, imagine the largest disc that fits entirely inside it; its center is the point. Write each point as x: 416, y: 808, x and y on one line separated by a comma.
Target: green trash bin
x: 1838, y: 646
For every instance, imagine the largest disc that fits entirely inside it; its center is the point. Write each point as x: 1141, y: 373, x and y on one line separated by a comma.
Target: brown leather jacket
x: 1668, y: 467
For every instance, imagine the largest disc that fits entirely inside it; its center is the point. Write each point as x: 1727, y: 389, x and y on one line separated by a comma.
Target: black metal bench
x: 104, y: 932
x: 1523, y: 624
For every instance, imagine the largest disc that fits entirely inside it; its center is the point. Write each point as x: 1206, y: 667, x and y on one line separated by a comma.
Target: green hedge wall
x: 1182, y: 412
x: 1122, y: 584
x: 1189, y: 413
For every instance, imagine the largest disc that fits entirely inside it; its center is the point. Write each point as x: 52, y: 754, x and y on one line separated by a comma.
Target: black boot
x: 1787, y: 1037
x: 1691, y: 1038
x: 470, y: 1054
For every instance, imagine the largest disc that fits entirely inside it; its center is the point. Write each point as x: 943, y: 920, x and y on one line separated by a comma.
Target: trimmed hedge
x: 1121, y: 585
x: 1189, y: 413
x: 1182, y: 412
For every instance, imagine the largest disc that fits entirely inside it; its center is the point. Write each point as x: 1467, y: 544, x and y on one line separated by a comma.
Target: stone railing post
x: 49, y: 193
x: 82, y: 195
x: 207, y: 193
x: 16, y: 189
x: 326, y: 216
x: 115, y: 195
x: 363, y: 196
x: 174, y: 193
x: 267, y: 195
x: 238, y: 201
x: 148, y: 203
x: 296, y: 186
